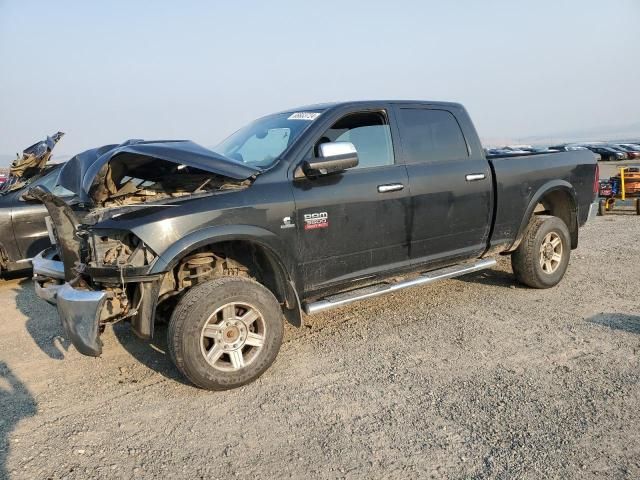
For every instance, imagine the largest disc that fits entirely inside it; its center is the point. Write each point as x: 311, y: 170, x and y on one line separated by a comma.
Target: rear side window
x: 431, y: 136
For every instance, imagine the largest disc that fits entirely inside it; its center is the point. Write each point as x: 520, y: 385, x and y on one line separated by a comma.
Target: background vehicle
x: 23, y: 231
x: 303, y: 210
x: 631, y: 150
x: 567, y: 148
x: 607, y: 154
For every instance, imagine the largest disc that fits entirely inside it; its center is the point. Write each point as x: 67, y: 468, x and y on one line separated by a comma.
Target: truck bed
x: 517, y: 184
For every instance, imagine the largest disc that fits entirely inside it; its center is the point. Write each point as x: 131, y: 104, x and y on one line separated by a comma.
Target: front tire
x: 225, y: 333
x: 542, y: 257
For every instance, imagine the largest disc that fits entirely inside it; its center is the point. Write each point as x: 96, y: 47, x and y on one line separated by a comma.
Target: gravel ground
x: 470, y: 378
x: 609, y: 169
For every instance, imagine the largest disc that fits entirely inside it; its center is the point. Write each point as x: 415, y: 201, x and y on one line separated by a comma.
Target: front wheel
x: 542, y: 257
x: 225, y: 333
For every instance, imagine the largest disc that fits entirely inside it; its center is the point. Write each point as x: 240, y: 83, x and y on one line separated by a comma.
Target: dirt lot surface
x: 469, y: 378
x: 609, y: 169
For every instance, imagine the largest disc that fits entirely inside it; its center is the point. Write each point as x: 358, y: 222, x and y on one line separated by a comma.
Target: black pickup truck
x: 299, y: 211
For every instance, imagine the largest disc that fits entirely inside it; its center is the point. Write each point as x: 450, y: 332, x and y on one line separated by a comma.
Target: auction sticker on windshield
x: 309, y: 116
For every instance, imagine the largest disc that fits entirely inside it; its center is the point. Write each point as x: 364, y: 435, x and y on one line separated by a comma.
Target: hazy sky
x: 107, y: 71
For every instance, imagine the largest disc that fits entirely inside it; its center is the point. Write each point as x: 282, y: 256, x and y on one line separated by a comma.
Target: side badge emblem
x: 286, y: 223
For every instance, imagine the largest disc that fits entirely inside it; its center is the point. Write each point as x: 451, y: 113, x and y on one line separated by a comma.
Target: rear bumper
x: 79, y: 310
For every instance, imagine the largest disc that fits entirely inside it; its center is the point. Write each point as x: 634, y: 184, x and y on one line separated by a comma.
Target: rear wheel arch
x: 557, y: 199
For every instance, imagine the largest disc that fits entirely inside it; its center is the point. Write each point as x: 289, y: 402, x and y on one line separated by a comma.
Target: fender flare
x: 551, y: 186
x: 270, y: 242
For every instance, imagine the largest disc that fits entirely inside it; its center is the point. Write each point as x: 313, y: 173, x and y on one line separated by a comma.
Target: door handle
x: 391, y: 187
x: 474, y: 177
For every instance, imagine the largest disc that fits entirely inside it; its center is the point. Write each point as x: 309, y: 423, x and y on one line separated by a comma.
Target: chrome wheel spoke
x: 556, y: 257
x: 237, y: 359
x: 214, y: 353
x: 229, y: 312
x: 250, y: 317
x: 254, y: 339
x: 212, y: 331
x: 555, y: 241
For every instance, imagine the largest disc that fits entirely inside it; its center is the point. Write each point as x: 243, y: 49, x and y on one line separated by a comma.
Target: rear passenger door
x: 450, y: 185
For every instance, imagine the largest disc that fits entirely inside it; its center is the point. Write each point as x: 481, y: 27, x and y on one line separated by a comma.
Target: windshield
x: 262, y: 141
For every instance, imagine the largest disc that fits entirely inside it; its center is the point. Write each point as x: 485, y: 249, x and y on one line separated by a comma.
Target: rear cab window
x: 430, y: 135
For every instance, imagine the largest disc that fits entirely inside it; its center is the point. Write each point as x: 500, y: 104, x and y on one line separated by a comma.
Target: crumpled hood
x: 80, y: 172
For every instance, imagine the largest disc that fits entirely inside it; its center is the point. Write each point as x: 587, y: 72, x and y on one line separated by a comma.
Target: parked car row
x: 605, y: 151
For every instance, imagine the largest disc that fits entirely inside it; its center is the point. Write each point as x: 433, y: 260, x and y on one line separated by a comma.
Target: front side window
x: 370, y: 134
x: 261, y: 142
x: 431, y: 136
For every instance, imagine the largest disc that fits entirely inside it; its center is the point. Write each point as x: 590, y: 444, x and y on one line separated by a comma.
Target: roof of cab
x: 332, y: 105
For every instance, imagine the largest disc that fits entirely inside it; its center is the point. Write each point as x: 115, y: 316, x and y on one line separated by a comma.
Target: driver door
x: 353, y: 224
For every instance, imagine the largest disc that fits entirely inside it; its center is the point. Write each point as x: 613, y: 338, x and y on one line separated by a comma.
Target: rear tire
x: 542, y: 257
x: 602, y: 208
x: 225, y: 333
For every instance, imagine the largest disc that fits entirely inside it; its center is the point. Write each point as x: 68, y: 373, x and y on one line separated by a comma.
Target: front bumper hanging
x: 79, y: 312
x: 79, y: 309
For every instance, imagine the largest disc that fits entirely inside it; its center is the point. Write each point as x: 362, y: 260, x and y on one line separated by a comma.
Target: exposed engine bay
x: 131, y: 179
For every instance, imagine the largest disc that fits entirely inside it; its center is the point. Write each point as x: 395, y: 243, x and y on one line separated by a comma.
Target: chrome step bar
x: 346, y: 298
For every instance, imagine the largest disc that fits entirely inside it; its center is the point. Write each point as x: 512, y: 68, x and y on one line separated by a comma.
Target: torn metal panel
x: 66, y: 223
x: 32, y: 162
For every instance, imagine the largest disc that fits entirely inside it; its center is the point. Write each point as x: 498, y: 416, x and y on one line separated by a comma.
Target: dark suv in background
x: 608, y: 154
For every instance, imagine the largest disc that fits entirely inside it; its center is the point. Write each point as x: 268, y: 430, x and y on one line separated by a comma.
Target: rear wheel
x: 225, y: 333
x: 542, y: 258
x: 602, y: 208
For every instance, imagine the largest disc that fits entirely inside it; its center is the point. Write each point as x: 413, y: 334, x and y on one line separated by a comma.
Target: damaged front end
x: 102, y: 274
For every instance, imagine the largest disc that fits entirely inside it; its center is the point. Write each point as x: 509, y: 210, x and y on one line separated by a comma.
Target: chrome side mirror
x: 332, y: 157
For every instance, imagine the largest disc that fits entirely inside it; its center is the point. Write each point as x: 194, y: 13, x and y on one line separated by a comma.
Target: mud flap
x: 65, y: 222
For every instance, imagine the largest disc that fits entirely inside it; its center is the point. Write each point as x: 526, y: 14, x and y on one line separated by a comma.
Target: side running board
x: 371, y: 291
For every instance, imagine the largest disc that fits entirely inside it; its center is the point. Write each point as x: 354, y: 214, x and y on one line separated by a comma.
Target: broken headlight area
x: 116, y: 264
x: 131, y: 179
x: 116, y: 256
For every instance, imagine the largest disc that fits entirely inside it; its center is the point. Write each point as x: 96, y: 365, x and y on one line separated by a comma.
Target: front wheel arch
x: 268, y: 253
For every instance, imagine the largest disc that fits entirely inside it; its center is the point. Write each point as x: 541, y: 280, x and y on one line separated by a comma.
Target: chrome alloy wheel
x: 233, y: 336
x: 551, y: 252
